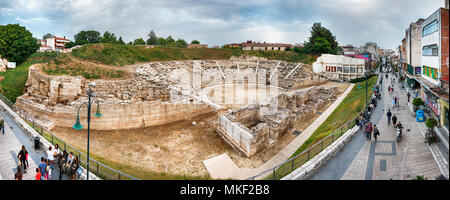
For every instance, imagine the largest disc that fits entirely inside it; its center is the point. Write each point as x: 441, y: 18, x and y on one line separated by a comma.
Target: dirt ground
x: 176, y: 148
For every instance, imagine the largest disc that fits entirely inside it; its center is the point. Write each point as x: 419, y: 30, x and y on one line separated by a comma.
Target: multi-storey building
x: 413, y: 38
x: 435, y: 49
x: 53, y: 44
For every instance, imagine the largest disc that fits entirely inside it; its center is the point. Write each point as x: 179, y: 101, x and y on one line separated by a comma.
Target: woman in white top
x: 56, y: 150
x: 50, y: 154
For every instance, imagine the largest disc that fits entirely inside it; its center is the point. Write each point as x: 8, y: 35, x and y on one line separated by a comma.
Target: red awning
x: 445, y: 78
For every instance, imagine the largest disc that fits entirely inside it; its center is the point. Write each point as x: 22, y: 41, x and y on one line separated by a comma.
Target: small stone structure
x: 3, y: 64
x: 249, y: 130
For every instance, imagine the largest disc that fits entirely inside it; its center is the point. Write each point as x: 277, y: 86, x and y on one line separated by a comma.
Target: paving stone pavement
x: 10, y: 145
x: 386, y: 159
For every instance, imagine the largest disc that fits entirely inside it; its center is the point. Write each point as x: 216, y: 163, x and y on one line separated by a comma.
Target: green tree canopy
x: 108, y: 37
x: 69, y: 44
x: 120, y: 41
x: 16, y: 43
x: 86, y: 37
x: 321, y: 34
x: 152, y: 39
x: 48, y: 35
x: 195, y: 42
x: 161, y: 41
x: 170, y: 40
x: 139, y: 41
x: 181, y: 43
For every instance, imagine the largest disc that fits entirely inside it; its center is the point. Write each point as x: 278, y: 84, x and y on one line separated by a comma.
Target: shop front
x: 431, y: 100
x: 444, y: 113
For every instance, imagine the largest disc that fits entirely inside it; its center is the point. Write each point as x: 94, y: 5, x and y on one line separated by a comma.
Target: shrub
x: 417, y: 102
x: 431, y: 123
x: 357, y: 80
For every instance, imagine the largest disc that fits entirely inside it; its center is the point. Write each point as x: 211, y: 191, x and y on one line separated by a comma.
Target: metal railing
x: 285, y: 168
x: 99, y: 169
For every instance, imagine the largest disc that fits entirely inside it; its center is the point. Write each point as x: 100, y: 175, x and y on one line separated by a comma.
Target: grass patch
x: 13, y: 83
x: 120, y: 55
x: 347, y: 110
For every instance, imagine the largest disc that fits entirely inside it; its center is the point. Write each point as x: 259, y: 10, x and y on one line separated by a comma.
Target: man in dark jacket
x: 389, y: 114
x: 369, y: 131
x: 394, y: 120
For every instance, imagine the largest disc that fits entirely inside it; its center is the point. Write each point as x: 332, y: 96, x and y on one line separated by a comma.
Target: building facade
x: 339, y: 67
x: 250, y: 45
x: 413, y: 44
x: 53, y: 44
x: 434, y: 51
x: 197, y: 46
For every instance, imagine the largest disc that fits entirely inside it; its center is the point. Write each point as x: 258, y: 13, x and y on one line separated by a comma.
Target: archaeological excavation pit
x: 156, y: 110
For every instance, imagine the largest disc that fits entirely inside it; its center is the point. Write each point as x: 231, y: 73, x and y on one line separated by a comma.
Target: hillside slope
x: 120, y: 55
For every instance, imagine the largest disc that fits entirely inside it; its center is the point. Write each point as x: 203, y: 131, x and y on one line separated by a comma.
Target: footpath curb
x: 307, y: 169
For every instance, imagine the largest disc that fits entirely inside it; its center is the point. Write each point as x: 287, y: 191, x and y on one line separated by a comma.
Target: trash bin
x: 420, y: 116
x: 36, y: 143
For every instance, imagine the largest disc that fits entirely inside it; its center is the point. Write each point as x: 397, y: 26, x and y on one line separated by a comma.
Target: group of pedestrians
x: 67, y: 164
x: 371, y: 129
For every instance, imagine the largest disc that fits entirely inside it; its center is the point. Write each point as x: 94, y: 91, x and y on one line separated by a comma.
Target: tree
x: 161, y: 41
x: 16, y: 43
x: 48, y: 35
x: 170, y: 40
x: 320, y: 45
x: 152, y: 39
x: 319, y: 34
x: 139, y: 41
x: 181, y: 43
x: 195, y: 42
x: 108, y: 37
x: 69, y: 45
x: 86, y: 37
x: 120, y: 41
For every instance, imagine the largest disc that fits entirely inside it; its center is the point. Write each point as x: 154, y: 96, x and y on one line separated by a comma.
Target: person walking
x: 74, y: 167
x: 18, y: 175
x: 389, y: 115
x: 42, y: 167
x: 409, y: 96
x: 2, y: 125
x: 368, y: 130
x: 393, y: 102
x: 38, y: 174
x: 22, y: 156
x: 394, y: 120
x: 376, y: 132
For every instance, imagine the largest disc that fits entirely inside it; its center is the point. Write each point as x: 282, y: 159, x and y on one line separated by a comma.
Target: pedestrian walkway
x: 222, y: 167
x: 10, y: 145
x: 385, y: 158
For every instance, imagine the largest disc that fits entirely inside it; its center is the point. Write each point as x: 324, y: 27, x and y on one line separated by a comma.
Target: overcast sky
x: 217, y: 22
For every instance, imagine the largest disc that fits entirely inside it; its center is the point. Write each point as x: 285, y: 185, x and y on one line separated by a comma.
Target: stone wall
x: 124, y: 104
x: 292, y: 107
x: 148, y: 98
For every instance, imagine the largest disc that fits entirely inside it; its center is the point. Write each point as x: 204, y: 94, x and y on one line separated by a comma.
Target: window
x: 346, y: 69
x: 430, y: 28
x: 430, y: 50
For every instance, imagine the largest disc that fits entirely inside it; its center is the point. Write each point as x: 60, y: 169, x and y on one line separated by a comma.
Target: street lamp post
x: 78, y: 125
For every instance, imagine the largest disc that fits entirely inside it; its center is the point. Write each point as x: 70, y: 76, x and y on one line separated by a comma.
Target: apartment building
x: 53, y: 44
x: 339, y: 67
